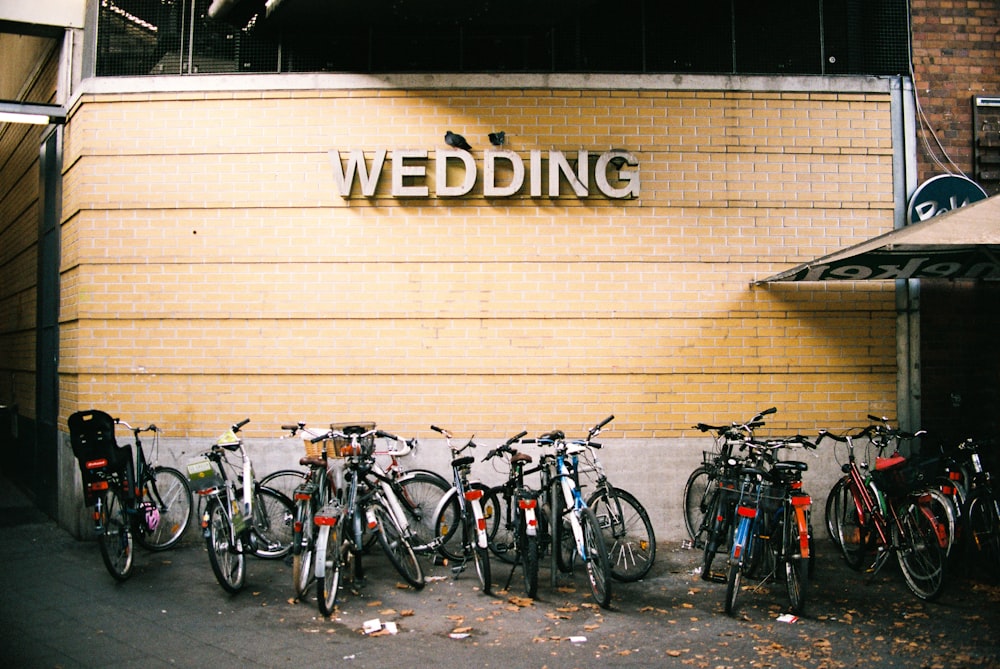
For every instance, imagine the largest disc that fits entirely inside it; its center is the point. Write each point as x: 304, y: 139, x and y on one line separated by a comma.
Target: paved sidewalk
x: 60, y: 608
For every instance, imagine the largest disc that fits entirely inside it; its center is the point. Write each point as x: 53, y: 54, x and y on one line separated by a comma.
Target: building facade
x: 308, y: 246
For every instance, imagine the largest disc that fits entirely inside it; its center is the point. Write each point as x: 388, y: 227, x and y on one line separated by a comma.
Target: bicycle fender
x: 443, y: 502
x: 740, y: 539
x: 477, y: 513
x: 319, y: 553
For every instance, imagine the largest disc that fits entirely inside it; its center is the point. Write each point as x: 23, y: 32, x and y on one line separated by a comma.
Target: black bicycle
x: 134, y: 499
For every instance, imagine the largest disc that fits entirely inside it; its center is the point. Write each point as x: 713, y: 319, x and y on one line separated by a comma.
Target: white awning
x: 963, y: 243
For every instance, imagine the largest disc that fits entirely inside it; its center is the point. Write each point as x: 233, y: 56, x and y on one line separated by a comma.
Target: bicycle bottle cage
x: 92, y: 436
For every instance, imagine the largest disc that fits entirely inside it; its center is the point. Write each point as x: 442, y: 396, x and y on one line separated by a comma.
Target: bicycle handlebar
x: 149, y: 428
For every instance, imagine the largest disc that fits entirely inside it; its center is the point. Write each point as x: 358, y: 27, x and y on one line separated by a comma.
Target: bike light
x: 473, y: 495
x: 746, y: 512
x: 527, y: 503
x: 302, y: 496
x: 98, y: 485
x: 96, y: 464
x: 325, y: 521
x: 796, y: 485
x: 481, y: 524
x: 297, y: 527
x: 955, y: 476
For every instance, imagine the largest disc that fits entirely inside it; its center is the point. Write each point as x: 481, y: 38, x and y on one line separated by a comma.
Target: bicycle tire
x: 734, y: 582
x: 480, y: 554
x: 396, y: 547
x: 328, y: 585
x: 982, y: 535
x: 628, y: 533
x: 419, y: 494
x: 853, y: 532
x: 934, y: 501
x: 115, y: 537
x: 273, y: 521
x: 170, y: 491
x: 696, y: 490
x: 225, y: 551
x: 716, y: 540
x: 447, y: 528
x: 284, y: 481
x: 596, y: 559
x: 796, y: 569
x: 835, y: 501
x: 503, y: 535
x: 919, y: 553
x: 528, y: 554
x: 303, y: 548
x: 561, y: 534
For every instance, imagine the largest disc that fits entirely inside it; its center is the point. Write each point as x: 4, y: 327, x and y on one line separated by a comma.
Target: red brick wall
x: 956, y: 54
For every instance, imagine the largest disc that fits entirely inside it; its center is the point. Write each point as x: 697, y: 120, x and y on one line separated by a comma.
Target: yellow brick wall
x: 211, y: 270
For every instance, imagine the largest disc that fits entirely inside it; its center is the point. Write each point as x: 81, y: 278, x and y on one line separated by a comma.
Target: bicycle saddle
x: 312, y: 460
x: 554, y: 435
x: 520, y: 459
x: 790, y: 466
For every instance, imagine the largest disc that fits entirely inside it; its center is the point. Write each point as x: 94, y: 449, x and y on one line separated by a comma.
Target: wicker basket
x: 339, y: 447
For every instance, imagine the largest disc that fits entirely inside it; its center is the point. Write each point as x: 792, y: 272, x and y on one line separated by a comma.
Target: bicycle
x: 134, y: 500
x: 567, y: 507
x: 772, y: 524
x: 981, y: 515
x: 702, y: 489
x: 628, y: 532
x: 889, y: 520
x: 367, y: 500
x: 240, y: 516
x: 315, y: 490
x: 460, y: 523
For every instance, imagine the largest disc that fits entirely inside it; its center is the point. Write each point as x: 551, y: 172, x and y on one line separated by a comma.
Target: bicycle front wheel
x: 696, y: 498
x: 919, y: 552
x: 982, y: 535
x: 115, y: 535
x: 527, y: 551
x: 273, y: 524
x: 419, y: 493
x: 396, y: 547
x: 596, y: 559
x: 284, y: 481
x: 628, y: 533
x: 480, y: 555
x: 225, y: 551
x: 853, y: 532
x: 838, y: 497
x: 170, y: 492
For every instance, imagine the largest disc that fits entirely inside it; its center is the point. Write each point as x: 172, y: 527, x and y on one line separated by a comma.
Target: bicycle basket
x: 92, y: 436
x: 203, y: 475
x: 342, y: 447
x: 896, y: 480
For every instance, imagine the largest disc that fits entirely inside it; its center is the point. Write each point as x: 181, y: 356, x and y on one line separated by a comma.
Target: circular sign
x: 939, y: 195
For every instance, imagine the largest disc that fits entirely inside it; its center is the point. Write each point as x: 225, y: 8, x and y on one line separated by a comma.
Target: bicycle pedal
x: 713, y: 577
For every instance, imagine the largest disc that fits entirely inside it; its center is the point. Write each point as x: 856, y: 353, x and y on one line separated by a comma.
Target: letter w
x: 356, y: 165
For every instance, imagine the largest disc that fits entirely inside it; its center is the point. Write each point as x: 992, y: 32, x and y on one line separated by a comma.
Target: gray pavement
x: 60, y: 608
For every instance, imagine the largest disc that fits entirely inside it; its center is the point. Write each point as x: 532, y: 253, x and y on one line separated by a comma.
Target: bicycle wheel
x: 170, y: 492
x: 528, y: 553
x: 734, y: 582
x: 796, y: 569
x: 273, y: 521
x: 503, y: 535
x: 696, y: 491
x: 328, y: 585
x: 284, y: 481
x: 596, y: 559
x: 563, y: 542
x: 945, y: 518
x: 982, y: 536
x: 419, y: 493
x: 303, y: 549
x: 396, y: 547
x: 480, y: 555
x: 853, y: 533
x: 719, y: 523
x: 919, y: 552
x: 835, y: 503
x: 628, y: 533
x: 447, y: 529
x: 225, y: 552
x: 115, y: 535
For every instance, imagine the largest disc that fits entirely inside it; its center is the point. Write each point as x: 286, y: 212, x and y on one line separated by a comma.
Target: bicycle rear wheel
x: 396, y: 547
x: 115, y: 535
x: 225, y: 551
x: 982, y: 536
x: 919, y: 552
x: 304, y: 548
x: 853, y: 533
x: 696, y: 498
x: 796, y: 568
x: 527, y: 551
x: 628, y: 533
x: 170, y: 492
x: 596, y: 559
x: 273, y: 523
x: 284, y: 481
x: 503, y: 532
x: 328, y: 585
x: 835, y: 502
x: 480, y: 554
